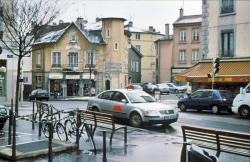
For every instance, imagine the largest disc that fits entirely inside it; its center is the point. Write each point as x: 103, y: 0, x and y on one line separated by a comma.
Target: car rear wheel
x: 244, y: 112
x: 215, y: 109
x: 135, y: 120
x: 183, y: 107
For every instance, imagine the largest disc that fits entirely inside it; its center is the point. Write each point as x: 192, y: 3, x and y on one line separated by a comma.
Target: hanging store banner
x: 55, y: 76
x: 72, y: 77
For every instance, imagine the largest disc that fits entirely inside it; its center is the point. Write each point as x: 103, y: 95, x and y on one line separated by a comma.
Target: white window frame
x: 183, y: 36
x: 195, y: 35
x: 38, y: 57
x: 58, y: 62
x: 131, y: 66
x: 182, y: 55
x: 138, y: 36
x: 73, y: 37
x: 88, y: 57
x: 195, y: 55
x: 221, y: 7
x: 136, y: 66
x: 76, y: 63
x: 116, y: 46
x: 138, y: 47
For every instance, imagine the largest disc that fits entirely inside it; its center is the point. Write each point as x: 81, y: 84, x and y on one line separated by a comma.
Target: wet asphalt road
x: 225, y: 121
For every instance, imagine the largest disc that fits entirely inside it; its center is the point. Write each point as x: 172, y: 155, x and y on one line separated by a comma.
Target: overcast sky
x: 143, y: 13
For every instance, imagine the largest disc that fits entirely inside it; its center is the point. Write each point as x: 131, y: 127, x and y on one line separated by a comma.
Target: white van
x: 241, y: 103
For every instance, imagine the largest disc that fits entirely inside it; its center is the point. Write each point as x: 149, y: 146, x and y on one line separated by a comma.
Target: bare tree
x: 23, y: 20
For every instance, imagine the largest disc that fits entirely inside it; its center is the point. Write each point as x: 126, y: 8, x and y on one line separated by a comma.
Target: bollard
x: 9, y: 133
x: 51, y: 117
x: 33, y: 115
x: 10, y: 122
x: 125, y: 135
x: 78, y: 124
x: 50, y: 141
x: 104, y: 157
x: 40, y: 122
x: 14, y: 137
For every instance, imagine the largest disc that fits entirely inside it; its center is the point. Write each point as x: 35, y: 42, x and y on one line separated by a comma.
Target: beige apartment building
x: 186, y: 45
x: 67, y: 58
x: 180, y: 51
x: 226, y: 35
x: 164, y: 53
x: 144, y: 41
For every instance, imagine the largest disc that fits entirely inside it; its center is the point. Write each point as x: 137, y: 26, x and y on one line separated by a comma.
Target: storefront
x: 232, y: 75
x: 73, y: 85
x: 55, y: 83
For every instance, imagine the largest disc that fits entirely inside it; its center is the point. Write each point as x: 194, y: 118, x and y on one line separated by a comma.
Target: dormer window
x: 73, y: 37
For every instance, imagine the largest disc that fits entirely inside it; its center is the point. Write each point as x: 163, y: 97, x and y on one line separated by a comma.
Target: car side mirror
x: 124, y: 101
x: 242, y: 90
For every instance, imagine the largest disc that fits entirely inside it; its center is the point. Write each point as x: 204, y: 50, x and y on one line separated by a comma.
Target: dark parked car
x: 39, y: 94
x: 149, y: 87
x: 207, y: 99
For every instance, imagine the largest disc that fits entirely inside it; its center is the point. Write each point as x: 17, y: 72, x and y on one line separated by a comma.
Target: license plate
x: 169, y: 117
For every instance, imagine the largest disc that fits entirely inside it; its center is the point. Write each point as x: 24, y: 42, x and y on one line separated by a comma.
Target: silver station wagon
x: 135, y: 105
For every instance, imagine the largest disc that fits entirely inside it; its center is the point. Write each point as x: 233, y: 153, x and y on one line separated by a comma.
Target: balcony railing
x: 70, y: 67
x: 227, y: 53
x: 56, y: 65
x: 90, y: 66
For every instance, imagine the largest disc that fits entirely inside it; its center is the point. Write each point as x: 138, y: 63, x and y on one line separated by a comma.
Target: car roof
x: 123, y: 90
x: 213, y: 90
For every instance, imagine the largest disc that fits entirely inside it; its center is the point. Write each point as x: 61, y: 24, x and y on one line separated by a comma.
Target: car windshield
x: 226, y: 94
x: 137, y: 87
x: 42, y: 91
x: 139, y: 97
x: 170, y: 85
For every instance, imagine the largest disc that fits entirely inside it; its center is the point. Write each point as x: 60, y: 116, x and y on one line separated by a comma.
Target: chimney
x: 167, y: 30
x: 80, y: 22
x: 181, y: 12
x: 151, y: 28
x: 98, y: 19
x: 130, y: 23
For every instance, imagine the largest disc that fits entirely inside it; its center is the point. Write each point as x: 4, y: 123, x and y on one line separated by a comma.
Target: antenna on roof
x: 182, y: 4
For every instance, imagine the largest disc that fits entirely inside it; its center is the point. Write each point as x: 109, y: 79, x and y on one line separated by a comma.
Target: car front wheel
x: 135, y: 120
x: 215, y: 109
x: 244, y: 112
x: 183, y: 107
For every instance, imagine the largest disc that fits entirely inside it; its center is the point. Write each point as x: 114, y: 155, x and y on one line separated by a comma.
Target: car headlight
x: 150, y: 112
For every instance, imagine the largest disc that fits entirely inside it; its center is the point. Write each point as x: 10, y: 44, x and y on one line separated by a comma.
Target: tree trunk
x: 17, y: 84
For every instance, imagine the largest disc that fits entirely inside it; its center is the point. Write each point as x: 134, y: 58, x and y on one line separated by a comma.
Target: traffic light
x: 216, y: 65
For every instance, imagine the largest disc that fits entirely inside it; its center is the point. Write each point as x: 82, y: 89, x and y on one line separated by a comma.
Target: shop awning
x: 55, y: 76
x: 76, y: 77
x: 87, y: 76
x: 230, y: 71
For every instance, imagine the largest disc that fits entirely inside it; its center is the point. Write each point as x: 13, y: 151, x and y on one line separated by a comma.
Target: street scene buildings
x: 110, y: 89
